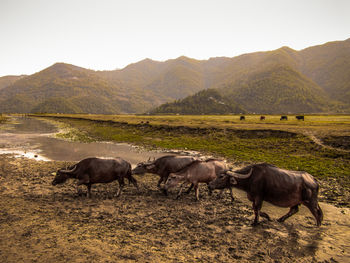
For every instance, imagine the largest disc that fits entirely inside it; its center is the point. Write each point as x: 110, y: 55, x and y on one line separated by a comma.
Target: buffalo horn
x: 69, y: 171
x: 240, y: 176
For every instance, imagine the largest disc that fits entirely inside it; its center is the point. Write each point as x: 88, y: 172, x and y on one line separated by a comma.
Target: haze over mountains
x: 313, y: 80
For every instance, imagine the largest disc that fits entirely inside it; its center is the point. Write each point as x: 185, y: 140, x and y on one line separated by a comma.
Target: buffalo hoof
x: 263, y: 214
x: 255, y: 223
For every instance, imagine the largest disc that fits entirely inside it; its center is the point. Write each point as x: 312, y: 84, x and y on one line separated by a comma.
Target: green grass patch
x: 284, y: 149
x: 3, y: 118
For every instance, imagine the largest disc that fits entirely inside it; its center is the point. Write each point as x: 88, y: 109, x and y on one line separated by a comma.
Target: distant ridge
x: 313, y: 80
x: 208, y: 101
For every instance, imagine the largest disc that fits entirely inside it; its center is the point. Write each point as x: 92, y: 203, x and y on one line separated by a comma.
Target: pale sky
x: 105, y: 35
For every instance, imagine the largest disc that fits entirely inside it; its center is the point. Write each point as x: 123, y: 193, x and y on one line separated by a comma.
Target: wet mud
x: 43, y: 223
x: 35, y: 139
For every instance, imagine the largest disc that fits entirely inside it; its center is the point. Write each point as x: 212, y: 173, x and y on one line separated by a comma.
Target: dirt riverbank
x: 42, y: 223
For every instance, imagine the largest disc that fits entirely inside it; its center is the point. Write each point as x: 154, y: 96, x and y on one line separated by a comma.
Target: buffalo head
x: 62, y: 175
x: 172, y: 181
x: 227, y: 178
x: 144, y: 167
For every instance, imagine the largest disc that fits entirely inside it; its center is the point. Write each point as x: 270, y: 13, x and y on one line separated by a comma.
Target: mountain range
x: 313, y: 80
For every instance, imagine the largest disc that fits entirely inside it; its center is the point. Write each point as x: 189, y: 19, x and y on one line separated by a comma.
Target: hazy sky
x: 100, y: 34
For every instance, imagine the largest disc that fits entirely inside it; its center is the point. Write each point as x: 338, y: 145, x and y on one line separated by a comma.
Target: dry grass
x: 319, y: 125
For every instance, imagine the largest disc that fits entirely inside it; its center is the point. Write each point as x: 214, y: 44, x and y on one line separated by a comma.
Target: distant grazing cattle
x: 262, y: 118
x: 242, y: 118
x: 300, y: 117
x: 283, y: 117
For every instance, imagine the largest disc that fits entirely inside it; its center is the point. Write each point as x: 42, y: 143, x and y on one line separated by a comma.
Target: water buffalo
x: 280, y: 187
x: 220, y: 166
x: 94, y: 170
x: 163, y: 166
x: 262, y: 118
x: 242, y: 118
x: 195, y: 173
x: 300, y: 117
x: 284, y: 117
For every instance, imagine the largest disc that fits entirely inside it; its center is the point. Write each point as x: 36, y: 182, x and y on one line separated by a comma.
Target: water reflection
x: 33, y: 138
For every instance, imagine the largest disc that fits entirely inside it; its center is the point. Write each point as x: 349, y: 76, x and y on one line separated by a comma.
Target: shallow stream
x: 34, y: 138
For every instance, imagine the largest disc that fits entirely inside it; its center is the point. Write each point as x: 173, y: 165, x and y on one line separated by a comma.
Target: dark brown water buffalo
x: 284, y: 117
x: 284, y: 188
x: 300, y: 117
x: 242, y: 118
x: 262, y: 118
x: 94, y: 170
x: 163, y: 166
x: 195, y: 173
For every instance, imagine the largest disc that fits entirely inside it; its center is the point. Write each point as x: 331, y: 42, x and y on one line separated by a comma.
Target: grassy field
x: 2, y: 118
x: 286, y: 144
x: 318, y: 124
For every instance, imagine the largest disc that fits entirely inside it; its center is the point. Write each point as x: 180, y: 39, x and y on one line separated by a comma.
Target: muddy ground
x: 42, y: 223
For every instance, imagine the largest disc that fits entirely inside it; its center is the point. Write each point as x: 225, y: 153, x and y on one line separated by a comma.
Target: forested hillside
x: 66, y: 88
x: 8, y: 80
x: 313, y: 80
x: 208, y: 101
x: 329, y: 66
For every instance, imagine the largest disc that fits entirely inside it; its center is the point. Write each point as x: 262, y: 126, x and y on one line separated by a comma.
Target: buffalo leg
x: 196, y: 189
x: 257, y: 204
x: 316, y: 211
x: 293, y: 210
x: 78, y: 189
x: 210, y: 191
x: 83, y: 180
x: 319, y: 215
x: 159, y: 182
x: 231, y: 194
x: 180, y: 191
x: 121, y: 185
x: 133, y: 181
x: 263, y: 214
x: 88, y: 190
x: 189, y: 189
x: 162, y: 179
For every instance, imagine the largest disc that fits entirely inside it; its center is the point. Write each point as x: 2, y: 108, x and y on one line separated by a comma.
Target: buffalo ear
x: 151, y: 166
x: 233, y: 180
